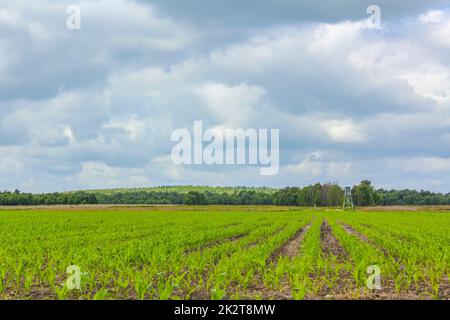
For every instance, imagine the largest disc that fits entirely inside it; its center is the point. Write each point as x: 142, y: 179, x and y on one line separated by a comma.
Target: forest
x: 320, y: 195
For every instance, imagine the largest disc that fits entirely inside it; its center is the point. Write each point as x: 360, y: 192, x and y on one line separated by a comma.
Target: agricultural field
x: 222, y: 253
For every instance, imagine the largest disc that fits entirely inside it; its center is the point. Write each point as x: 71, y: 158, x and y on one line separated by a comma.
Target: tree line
x: 320, y: 195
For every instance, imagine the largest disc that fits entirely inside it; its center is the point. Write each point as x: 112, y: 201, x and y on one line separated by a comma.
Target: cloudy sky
x: 95, y: 107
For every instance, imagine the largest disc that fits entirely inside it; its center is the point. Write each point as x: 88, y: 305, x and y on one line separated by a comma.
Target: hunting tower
x: 348, y: 200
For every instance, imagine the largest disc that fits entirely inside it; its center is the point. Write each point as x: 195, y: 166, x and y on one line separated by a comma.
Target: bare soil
x: 353, y: 232
x: 292, y: 246
x: 330, y: 246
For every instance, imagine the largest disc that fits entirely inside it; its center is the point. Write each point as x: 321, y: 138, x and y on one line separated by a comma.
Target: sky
x: 96, y: 107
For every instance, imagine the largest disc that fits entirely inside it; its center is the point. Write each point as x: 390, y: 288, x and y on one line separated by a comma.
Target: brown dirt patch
x: 353, y: 232
x: 292, y: 246
x: 330, y: 245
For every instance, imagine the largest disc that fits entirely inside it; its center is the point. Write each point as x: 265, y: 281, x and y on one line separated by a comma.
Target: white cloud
x: 310, y: 167
x: 432, y: 16
x: 8, y: 18
x: 233, y: 105
x: 430, y: 82
x: 98, y: 174
x: 133, y: 126
x: 69, y: 134
x: 345, y: 132
x: 437, y: 24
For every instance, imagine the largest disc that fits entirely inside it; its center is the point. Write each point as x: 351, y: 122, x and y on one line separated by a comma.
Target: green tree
x: 364, y: 194
x: 194, y: 198
x: 335, y: 196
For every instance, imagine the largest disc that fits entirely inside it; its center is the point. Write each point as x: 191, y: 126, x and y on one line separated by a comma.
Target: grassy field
x: 222, y: 253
